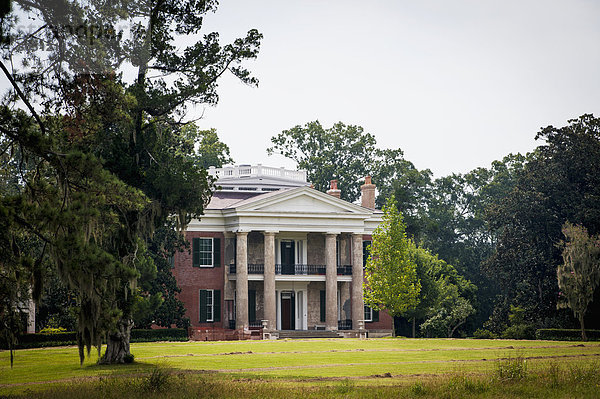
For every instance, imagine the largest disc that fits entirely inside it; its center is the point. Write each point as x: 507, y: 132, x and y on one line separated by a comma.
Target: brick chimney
x: 368, y: 193
x: 333, y: 190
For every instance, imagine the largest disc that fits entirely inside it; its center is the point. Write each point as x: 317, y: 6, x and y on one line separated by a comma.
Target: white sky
x: 455, y: 84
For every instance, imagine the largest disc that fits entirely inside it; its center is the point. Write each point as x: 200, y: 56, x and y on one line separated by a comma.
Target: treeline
x: 500, y: 227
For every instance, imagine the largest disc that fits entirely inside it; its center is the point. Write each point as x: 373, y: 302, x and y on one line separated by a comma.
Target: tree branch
x: 23, y: 98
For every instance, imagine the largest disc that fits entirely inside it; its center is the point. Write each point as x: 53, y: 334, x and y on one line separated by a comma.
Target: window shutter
x: 217, y: 305
x: 251, y: 305
x: 322, y: 305
x: 375, y: 315
x: 203, y: 294
x: 196, y: 252
x: 216, y: 252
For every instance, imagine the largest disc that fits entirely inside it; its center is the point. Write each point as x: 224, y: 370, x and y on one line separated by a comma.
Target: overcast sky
x: 455, y: 84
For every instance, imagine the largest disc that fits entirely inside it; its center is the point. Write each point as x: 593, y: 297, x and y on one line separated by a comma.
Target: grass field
x: 320, y: 368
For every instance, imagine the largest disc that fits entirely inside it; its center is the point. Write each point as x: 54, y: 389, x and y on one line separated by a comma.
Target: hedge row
x: 561, y: 334
x: 41, y: 340
x: 165, y: 334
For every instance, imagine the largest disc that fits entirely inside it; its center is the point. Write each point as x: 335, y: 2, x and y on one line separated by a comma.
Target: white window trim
x: 370, y: 318
x: 212, y: 253
x: 212, y: 306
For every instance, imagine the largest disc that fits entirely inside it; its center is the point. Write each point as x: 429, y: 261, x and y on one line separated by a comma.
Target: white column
x: 331, y: 319
x: 241, y: 283
x: 269, y: 282
x: 358, y: 308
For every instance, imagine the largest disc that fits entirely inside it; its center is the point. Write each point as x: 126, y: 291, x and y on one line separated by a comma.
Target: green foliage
x: 51, y: 337
x: 519, y: 326
x: 579, y: 274
x: 168, y: 310
x: 158, y: 380
x: 558, y: 182
x: 511, y: 368
x: 452, y: 314
x: 94, y: 164
x: 390, y: 273
x: 52, y: 330
x: 41, y: 340
x: 563, y: 334
x: 162, y: 334
x: 342, y: 152
x: 482, y: 333
x: 57, y: 307
x: 441, y: 288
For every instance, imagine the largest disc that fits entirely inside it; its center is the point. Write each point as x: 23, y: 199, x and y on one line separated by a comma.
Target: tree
x: 429, y: 292
x: 390, y: 273
x: 579, y: 274
x: 168, y: 310
x: 108, y: 166
x: 438, y: 280
x: 343, y: 152
x: 453, y: 313
x: 559, y: 181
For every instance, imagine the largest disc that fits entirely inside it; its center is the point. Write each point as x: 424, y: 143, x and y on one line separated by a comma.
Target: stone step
x: 302, y: 334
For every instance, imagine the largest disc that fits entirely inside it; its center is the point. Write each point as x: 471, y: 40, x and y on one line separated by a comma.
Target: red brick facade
x: 192, y: 279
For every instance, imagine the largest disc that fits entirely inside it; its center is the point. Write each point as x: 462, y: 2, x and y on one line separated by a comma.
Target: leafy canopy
x: 390, y: 273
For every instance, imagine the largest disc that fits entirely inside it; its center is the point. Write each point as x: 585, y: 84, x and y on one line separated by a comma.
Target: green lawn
x: 306, y: 363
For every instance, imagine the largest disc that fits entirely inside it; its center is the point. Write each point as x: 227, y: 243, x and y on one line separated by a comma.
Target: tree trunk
x: 452, y: 329
x: 582, y: 324
x: 117, y: 346
x: 413, y: 326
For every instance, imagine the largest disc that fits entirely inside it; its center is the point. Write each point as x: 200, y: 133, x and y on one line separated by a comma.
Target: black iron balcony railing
x: 299, y: 270
x: 345, y: 324
x: 294, y: 270
x: 345, y: 270
x: 253, y: 268
x: 256, y: 268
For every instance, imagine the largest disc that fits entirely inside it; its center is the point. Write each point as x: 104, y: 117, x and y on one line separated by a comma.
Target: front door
x: 288, y: 316
x: 287, y: 257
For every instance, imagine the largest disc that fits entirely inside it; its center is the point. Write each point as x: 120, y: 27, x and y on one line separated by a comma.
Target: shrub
x: 519, y: 331
x: 129, y: 358
x: 52, y: 330
x: 563, y: 334
x: 164, y: 334
x: 482, y: 333
x: 43, y: 339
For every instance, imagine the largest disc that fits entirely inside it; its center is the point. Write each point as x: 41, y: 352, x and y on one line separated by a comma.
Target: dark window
x: 371, y: 315
x: 251, y: 305
x: 365, y: 252
x: 210, y: 306
x: 322, y: 305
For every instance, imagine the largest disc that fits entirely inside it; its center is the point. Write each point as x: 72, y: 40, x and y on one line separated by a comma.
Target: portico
x: 286, y: 278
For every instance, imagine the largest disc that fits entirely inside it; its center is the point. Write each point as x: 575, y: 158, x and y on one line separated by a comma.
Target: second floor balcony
x: 294, y: 270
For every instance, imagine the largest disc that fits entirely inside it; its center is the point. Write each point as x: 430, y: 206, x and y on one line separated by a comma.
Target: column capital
x: 333, y: 233
x: 241, y: 233
x: 270, y: 233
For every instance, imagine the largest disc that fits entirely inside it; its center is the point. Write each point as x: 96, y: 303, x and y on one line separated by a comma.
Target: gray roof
x: 227, y: 199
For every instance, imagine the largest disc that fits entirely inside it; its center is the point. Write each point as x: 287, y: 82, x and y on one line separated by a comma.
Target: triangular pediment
x: 300, y: 200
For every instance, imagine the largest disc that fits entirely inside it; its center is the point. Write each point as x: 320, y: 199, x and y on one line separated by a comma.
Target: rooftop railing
x: 244, y: 171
